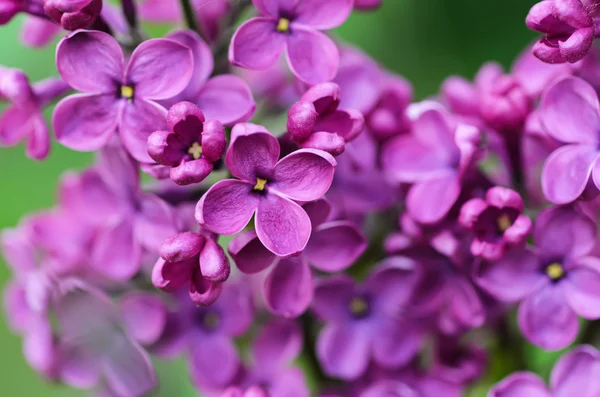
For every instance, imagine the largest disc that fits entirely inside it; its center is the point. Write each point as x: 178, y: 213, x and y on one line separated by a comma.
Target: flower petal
x: 334, y: 246
x: 159, y: 69
x: 576, y: 373
x: 289, y: 288
x: 249, y: 254
x: 38, y: 141
x: 521, y: 384
x: 90, y: 61
x: 116, y: 254
x: 256, y: 45
x: 278, y: 343
x: 312, y: 56
x: 144, y: 316
x: 227, y: 207
x: 139, y: 120
x: 429, y: 201
x: 203, y: 60
x: 282, y: 225
x: 343, y: 350
x: 226, y: 98
x: 582, y: 288
x: 396, y: 343
x: 332, y: 297
x: 253, y: 152
x: 323, y: 15
x: 567, y: 171
x: 214, y: 361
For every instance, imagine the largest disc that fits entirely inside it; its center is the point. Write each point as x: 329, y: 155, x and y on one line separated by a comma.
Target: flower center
x: 503, y: 222
x: 260, y: 184
x: 358, y: 306
x: 211, y: 320
x: 126, y: 91
x: 555, y: 271
x: 195, y: 150
x: 283, y: 26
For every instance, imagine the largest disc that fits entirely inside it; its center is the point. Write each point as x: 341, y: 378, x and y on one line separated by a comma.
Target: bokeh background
x: 423, y: 40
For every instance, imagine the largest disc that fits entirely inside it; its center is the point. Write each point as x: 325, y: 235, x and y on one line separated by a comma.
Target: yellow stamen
x: 126, y: 91
x: 211, y: 320
x: 260, y: 184
x: 555, y: 271
x: 358, y: 306
x: 503, y: 223
x: 283, y: 26
x: 195, y: 150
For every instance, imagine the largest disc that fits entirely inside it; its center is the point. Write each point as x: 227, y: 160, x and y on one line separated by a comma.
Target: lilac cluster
x: 383, y: 243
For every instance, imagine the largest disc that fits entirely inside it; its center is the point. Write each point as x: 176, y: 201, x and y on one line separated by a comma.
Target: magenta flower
x: 192, y: 145
x: 266, y: 187
x: 294, y: 26
x: 38, y: 32
x: 367, y: 4
x: 497, y: 222
x: 569, y: 27
x: 117, y: 98
x: 23, y: 119
x: 574, y: 166
x: 73, y: 14
x: 252, y: 391
x: 555, y: 283
x: 389, y: 118
x: 316, y: 122
x: 575, y: 374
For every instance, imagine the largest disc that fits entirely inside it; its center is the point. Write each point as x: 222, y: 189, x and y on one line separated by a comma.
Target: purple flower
x: 23, y: 119
x: 116, y: 97
x: 436, y: 156
x: 73, y: 14
x: 316, y: 122
x: 38, y: 32
x: 389, y: 118
x: 367, y: 321
x: 266, y: 187
x: 194, y: 258
x: 497, y: 222
x: 367, y: 4
x: 252, y: 391
x: 192, y: 145
x: 572, y: 167
x: 294, y: 26
x: 569, y: 27
x: 555, y: 283
x: 288, y: 289
x: 575, y: 374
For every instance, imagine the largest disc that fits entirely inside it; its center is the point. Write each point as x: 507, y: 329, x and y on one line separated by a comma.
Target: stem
x: 310, y: 349
x: 190, y: 16
x: 511, y: 341
x: 130, y: 13
x: 101, y: 25
x: 512, y: 142
x: 221, y: 47
x: 591, y: 333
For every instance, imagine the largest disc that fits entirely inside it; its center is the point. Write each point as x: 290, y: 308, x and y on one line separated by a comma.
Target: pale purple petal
x: 237, y: 308
x: 520, y: 384
x: 582, y: 288
x: 38, y: 32
x: 253, y: 152
x: 323, y: 15
x: 144, y: 316
x: 312, y: 56
x: 14, y: 125
x: 249, y: 254
x: 332, y: 297
x: 290, y: 383
x: 38, y: 141
x: 86, y: 122
x: 18, y: 312
x: 343, y: 350
x: 171, y: 276
x: 281, y: 225
x: 278, y: 343
x: 396, y: 343
x: 226, y: 98
x: 203, y: 60
x: 318, y: 211
x: 140, y: 119
x: 429, y: 201
x: 576, y: 373
x: 289, y: 288
x: 256, y: 45
x: 159, y: 69
x: 90, y: 61
x: 334, y: 246
x: 38, y: 346
x: 348, y: 124
x: 204, y: 292
x: 392, y: 284
x: 189, y: 172
x: 155, y: 222
x: 214, y: 361
x: 227, y: 207
x: 115, y: 253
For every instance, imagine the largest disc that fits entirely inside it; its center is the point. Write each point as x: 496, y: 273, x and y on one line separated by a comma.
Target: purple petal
x: 256, y: 45
x: 80, y: 368
x: 429, y: 201
x: 14, y: 125
x: 290, y: 383
x: 203, y: 60
x: 343, y: 350
x: 144, y: 316
x: 312, y: 56
x: 560, y: 101
x: 304, y: 175
x: 521, y: 384
x: 346, y: 123
x: 214, y: 264
x: 328, y: 142
x: 278, y: 343
x: 226, y: 98
x: 214, y: 361
x: 546, y: 319
x: 38, y: 141
x: 513, y: 277
x: 237, y: 310
x: 332, y: 297
x: 227, y: 207
x: 396, y: 343
x: 392, y: 284
x: 582, y: 288
x: 159, y: 69
x: 464, y: 309
x: 253, y: 152
x: 249, y: 254
x: 289, y: 288
x: 323, y: 15
x: 116, y: 253
x: 171, y: 276
x: 90, y: 61
x: 139, y: 120
x: 576, y: 373
x: 318, y: 211
x: 204, y: 292
x: 39, y: 347
x: 38, y: 32
x: 18, y: 311
x: 128, y: 369
x: 155, y: 222
x: 334, y: 246
x: 86, y: 122
x: 282, y: 225
x: 576, y: 47
x: 189, y: 172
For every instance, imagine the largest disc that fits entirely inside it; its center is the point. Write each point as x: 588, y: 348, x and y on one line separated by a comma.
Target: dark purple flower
x: 575, y: 374
x: 117, y: 97
x: 73, y: 14
x: 192, y: 145
x: 367, y: 321
x: 293, y: 26
x: 316, y: 122
x: 569, y: 27
x: 555, y: 283
x: 498, y: 222
x: 266, y: 187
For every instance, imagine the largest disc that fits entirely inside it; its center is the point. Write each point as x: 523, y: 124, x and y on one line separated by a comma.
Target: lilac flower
x: 294, y: 26
x: 252, y: 391
x: 569, y: 27
x: 192, y: 145
x: 23, y: 119
x: 116, y: 97
x: 575, y: 374
x: 571, y: 168
x: 194, y: 258
x: 555, y: 283
x: 389, y: 118
x: 367, y: 321
x: 144, y: 316
x: 10, y: 8
x: 225, y: 97
x: 266, y: 187
x: 316, y: 122
x: 497, y: 222
x: 38, y: 32
x: 73, y: 15
x: 435, y: 157
x: 288, y: 289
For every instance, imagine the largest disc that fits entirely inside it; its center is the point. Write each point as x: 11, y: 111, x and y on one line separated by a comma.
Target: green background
x: 423, y: 40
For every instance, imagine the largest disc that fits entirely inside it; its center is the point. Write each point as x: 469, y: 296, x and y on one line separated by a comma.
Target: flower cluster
x: 368, y: 236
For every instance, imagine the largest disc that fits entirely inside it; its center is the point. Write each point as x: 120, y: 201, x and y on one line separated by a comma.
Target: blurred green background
x: 423, y: 40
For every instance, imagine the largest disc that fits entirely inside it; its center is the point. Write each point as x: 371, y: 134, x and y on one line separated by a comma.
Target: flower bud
x: 302, y: 118
x: 8, y: 10
x: 213, y: 262
x: 73, y: 14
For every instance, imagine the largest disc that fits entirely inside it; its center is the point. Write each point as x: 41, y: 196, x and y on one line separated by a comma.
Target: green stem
x: 189, y: 15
